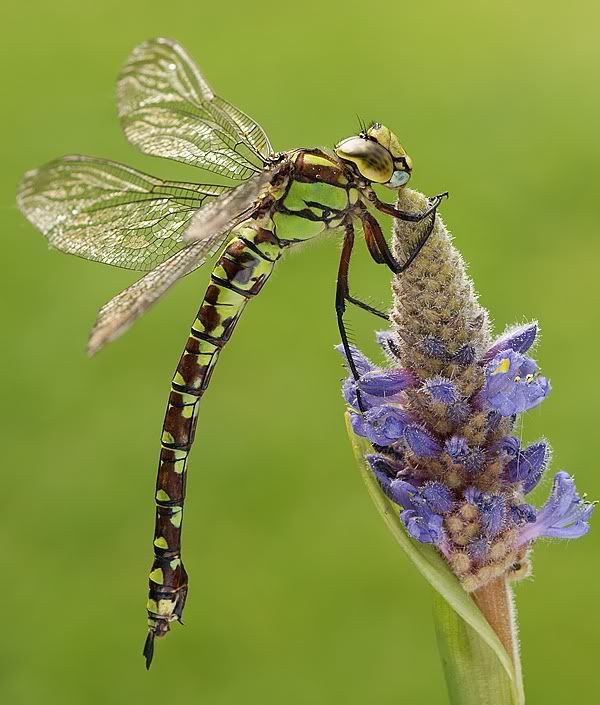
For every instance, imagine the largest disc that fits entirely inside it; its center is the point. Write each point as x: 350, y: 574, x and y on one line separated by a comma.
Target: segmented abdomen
x: 239, y: 274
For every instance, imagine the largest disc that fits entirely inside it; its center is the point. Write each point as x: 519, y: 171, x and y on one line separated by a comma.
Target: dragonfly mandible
x: 107, y: 212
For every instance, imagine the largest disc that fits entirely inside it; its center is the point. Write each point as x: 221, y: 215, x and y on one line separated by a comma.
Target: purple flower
x: 512, y: 385
x: 368, y: 400
x: 361, y: 362
x: 425, y: 526
x: 509, y: 445
x: 382, y: 425
x: 457, y: 448
x: 465, y: 356
x: 470, y: 458
x: 376, y: 385
x: 418, y: 514
x: 386, y: 383
x: 441, y: 422
x: 441, y: 390
x: 385, y: 470
x: 405, y: 494
x: 384, y: 464
x: 386, y: 341
x: 421, y: 442
x: 422, y: 508
x: 522, y: 514
x: 434, y: 495
x: 493, y: 419
x: 459, y: 412
x: 527, y: 466
x: 564, y: 516
x: 478, y: 549
x: 383, y: 480
x: 492, y: 510
x: 438, y: 497
x: 350, y: 397
x: 518, y: 338
x: 434, y: 347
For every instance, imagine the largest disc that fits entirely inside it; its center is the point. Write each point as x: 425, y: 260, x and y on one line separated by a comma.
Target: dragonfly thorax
x: 377, y: 155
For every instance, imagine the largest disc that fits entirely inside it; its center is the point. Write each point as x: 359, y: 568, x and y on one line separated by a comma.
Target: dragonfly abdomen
x: 239, y: 274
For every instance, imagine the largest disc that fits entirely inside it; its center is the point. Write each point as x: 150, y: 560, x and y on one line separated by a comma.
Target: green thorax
x: 316, y: 177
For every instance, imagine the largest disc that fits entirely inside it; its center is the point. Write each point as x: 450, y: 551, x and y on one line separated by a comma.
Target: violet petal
x: 518, y: 338
x: 565, y: 515
x: 361, y: 362
x: 426, y: 528
x: 441, y: 390
x: 511, y: 385
x: 421, y: 442
x: 382, y: 425
x: 386, y: 383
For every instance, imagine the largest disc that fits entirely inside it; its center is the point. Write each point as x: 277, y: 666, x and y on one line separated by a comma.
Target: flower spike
x: 441, y: 417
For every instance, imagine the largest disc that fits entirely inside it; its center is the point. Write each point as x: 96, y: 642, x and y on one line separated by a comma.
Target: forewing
x: 108, y: 212
x: 167, y: 109
x: 115, y: 317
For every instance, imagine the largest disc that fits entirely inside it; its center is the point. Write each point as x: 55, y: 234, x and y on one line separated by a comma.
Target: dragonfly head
x: 378, y: 156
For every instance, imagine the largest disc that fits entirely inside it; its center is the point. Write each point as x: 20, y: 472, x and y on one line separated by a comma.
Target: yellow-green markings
x: 160, y: 607
x: 176, y: 516
x: 167, y: 438
x: 188, y: 411
x: 157, y: 576
x: 180, y: 461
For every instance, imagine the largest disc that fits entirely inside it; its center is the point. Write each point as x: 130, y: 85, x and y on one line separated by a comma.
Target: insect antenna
x: 361, y: 125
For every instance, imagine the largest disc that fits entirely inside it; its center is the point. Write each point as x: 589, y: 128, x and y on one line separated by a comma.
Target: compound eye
x: 371, y: 159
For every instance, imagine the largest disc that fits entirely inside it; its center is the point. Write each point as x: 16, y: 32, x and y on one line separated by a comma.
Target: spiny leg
x: 366, y: 307
x: 420, y: 244
x: 341, y: 296
x: 348, y: 296
x: 415, y: 217
x: 379, y: 248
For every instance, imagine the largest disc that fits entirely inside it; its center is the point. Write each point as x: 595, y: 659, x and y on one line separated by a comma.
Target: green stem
x: 470, y: 665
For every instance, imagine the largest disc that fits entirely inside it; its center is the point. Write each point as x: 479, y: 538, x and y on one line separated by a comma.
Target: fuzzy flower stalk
x: 441, y: 419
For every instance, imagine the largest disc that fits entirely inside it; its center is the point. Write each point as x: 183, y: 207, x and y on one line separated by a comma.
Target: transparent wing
x: 107, y: 212
x: 167, y: 109
x: 229, y: 209
x: 115, y: 317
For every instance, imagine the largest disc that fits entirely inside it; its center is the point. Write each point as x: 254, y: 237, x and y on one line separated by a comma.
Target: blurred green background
x: 298, y: 593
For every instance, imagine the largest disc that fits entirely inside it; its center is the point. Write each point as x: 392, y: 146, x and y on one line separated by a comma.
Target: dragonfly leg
x: 341, y: 296
x: 419, y: 246
x: 379, y: 248
x: 366, y: 307
x: 417, y: 217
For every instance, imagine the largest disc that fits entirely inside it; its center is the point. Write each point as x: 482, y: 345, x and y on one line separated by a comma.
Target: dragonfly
x: 107, y: 212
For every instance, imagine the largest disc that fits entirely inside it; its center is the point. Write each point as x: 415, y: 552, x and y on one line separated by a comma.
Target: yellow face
x: 378, y: 156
